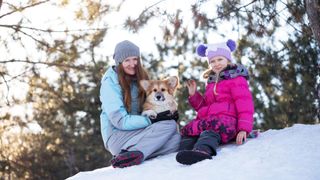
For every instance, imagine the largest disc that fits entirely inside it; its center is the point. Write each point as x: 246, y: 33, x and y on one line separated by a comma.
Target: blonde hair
x: 208, y: 72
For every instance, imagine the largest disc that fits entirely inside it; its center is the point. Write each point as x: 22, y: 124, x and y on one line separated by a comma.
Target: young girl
x: 224, y: 112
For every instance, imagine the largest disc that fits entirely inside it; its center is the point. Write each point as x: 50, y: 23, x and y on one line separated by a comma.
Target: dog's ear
x: 173, y: 82
x: 144, y: 84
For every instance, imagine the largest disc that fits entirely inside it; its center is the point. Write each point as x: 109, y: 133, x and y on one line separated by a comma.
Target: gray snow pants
x: 157, y: 139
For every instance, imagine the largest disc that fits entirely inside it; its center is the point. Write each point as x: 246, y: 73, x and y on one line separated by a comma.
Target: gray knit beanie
x: 125, y: 49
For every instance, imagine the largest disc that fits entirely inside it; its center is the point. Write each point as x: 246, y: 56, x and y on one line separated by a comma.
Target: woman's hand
x: 191, y: 84
x: 241, y: 137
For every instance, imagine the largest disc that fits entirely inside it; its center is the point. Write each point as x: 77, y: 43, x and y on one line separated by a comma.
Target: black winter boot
x: 187, y: 143
x: 209, y: 142
x: 189, y: 157
x: 204, y: 148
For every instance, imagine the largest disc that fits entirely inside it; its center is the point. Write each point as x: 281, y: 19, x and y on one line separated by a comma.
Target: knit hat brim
x: 124, y: 50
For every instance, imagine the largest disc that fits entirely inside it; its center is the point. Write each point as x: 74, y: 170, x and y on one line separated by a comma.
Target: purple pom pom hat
x: 217, y: 49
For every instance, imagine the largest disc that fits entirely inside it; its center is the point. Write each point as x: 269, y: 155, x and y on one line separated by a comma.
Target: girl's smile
x: 218, y: 63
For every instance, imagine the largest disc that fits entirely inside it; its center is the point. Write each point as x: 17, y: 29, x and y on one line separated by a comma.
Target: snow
x: 290, y: 153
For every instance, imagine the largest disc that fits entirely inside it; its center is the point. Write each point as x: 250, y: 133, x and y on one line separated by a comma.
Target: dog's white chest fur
x: 170, y: 105
x: 160, y: 96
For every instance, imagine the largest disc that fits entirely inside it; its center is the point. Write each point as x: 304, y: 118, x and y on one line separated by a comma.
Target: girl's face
x: 129, y: 65
x: 218, y: 63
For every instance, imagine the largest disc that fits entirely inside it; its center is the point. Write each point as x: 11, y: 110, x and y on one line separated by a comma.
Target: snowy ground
x: 287, y: 154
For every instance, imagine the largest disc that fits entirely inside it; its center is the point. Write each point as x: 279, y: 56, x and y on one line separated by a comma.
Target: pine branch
x: 313, y: 11
x: 8, y: 88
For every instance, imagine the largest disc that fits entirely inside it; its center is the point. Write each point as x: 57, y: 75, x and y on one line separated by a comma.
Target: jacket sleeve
x: 112, y: 103
x: 244, y: 104
x: 197, y: 101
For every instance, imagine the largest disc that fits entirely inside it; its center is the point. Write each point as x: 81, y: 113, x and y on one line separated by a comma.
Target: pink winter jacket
x: 234, y: 99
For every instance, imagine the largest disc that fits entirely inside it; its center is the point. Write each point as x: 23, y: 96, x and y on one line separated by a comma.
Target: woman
x: 130, y: 137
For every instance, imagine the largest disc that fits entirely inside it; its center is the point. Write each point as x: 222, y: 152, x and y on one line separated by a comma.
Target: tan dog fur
x: 160, y: 95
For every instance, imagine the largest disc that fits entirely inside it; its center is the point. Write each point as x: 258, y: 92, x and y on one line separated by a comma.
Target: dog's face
x: 160, y: 91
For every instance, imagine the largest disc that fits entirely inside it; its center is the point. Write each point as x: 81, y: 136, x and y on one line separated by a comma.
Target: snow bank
x: 291, y: 153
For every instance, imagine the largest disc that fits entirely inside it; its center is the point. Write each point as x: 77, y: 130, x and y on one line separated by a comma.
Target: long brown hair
x: 125, y: 81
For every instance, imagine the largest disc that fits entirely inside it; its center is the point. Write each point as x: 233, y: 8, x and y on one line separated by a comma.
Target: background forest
x: 50, y: 73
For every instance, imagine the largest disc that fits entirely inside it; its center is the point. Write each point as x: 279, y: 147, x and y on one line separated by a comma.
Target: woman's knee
x: 177, y: 138
x: 113, y: 149
x: 168, y: 126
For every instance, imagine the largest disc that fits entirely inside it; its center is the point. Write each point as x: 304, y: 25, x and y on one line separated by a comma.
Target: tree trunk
x: 313, y: 11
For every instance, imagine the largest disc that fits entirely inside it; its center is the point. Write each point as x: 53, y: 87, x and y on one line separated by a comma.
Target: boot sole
x: 191, y: 157
x: 127, y: 159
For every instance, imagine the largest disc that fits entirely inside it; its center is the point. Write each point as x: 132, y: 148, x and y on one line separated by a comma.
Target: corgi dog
x: 160, y: 96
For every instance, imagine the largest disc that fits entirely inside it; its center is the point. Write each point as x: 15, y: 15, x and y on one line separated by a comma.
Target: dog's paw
x: 150, y: 113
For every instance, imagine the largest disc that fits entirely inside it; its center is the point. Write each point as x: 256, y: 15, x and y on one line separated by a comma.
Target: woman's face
x: 129, y: 65
x: 218, y: 63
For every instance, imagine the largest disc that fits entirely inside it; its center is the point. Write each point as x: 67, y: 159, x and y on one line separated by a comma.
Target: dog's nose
x: 159, y: 96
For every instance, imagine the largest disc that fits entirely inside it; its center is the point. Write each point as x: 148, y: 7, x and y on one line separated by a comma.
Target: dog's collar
x: 230, y: 72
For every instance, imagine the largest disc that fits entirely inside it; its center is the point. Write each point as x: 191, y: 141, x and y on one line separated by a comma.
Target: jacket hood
x: 230, y: 72
x: 111, y: 73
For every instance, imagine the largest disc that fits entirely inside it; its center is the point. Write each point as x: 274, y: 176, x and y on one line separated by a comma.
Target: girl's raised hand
x: 192, y: 86
x: 241, y: 137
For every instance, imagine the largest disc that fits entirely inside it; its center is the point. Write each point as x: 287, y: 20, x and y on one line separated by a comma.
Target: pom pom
x: 201, y: 50
x: 232, y: 45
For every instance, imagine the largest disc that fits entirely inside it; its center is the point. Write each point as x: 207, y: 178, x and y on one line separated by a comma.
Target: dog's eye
x: 154, y: 90
x: 163, y: 89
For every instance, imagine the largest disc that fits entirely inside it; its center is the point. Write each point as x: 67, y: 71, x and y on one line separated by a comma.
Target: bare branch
x: 149, y: 8
x: 80, y: 67
x: 35, y: 39
x: 13, y: 26
x: 233, y: 9
x: 23, y: 8
x: 16, y: 76
x: 141, y: 19
x: 293, y: 26
x: 245, y: 6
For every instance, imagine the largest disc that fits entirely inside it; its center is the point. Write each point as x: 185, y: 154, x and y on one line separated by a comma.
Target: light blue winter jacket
x: 114, y: 116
